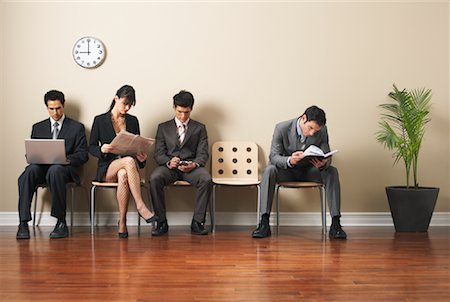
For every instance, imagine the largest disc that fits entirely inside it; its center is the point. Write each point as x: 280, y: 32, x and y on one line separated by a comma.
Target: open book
x: 315, y: 152
x: 126, y: 143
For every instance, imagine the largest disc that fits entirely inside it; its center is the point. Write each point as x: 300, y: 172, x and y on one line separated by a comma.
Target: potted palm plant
x: 402, y: 128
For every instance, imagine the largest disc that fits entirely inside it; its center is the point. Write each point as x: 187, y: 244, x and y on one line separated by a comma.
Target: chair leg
x: 278, y: 207
x: 92, y: 209
x: 139, y: 223
x: 35, y: 206
x: 258, y: 213
x: 71, y: 207
x: 212, y: 210
x: 323, y: 206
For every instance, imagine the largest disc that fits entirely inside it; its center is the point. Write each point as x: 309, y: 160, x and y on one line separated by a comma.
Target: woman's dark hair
x: 54, y: 95
x: 183, y: 99
x: 316, y: 114
x: 127, y: 92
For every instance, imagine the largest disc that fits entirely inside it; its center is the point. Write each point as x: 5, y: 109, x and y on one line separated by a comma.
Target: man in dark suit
x: 289, y: 140
x: 55, y: 176
x: 181, y: 151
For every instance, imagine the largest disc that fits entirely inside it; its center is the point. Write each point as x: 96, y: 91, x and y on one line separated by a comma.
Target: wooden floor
x: 374, y: 264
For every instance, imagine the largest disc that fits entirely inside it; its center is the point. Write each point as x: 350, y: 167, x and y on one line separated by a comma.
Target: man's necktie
x: 301, y: 142
x: 181, y: 133
x: 55, y: 130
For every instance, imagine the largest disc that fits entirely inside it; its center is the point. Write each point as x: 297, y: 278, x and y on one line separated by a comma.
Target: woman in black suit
x: 117, y: 168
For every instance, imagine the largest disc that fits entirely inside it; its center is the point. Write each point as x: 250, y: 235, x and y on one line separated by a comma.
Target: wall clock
x: 89, y: 52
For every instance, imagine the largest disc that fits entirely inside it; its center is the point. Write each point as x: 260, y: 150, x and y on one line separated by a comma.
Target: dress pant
x: 329, y: 176
x: 55, y: 176
x: 163, y: 176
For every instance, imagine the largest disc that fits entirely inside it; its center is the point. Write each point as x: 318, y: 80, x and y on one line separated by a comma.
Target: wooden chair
x: 234, y: 164
x: 72, y: 186
x: 303, y: 185
x: 111, y: 185
x: 184, y: 184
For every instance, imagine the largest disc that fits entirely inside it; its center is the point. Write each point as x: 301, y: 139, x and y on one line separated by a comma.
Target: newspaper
x: 126, y: 143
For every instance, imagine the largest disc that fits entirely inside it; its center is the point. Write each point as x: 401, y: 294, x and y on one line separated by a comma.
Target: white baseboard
x: 229, y: 218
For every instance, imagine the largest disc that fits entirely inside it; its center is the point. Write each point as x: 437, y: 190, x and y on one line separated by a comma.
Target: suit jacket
x: 285, y: 141
x: 74, y: 137
x: 194, y: 147
x: 103, y: 133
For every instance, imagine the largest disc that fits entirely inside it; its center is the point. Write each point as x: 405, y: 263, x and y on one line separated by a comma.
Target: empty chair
x: 234, y: 164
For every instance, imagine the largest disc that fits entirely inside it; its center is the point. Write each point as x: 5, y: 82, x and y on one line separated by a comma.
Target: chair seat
x: 300, y: 184
x: 109, y: 184
x: 235, y: 181
x: 104, y: 184
x: 180, y: 183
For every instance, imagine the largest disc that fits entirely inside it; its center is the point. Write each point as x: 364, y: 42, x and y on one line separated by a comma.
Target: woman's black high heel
x: 124, y: 234
x: 151, y: 219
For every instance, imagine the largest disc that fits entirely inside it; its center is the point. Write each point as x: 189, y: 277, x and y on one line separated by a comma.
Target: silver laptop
x: 45, y: 151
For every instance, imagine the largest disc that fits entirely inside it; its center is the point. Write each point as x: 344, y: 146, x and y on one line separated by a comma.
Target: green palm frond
x: 402, y: 126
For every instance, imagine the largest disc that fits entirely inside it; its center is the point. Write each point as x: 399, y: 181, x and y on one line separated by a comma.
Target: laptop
x: 45, y: 151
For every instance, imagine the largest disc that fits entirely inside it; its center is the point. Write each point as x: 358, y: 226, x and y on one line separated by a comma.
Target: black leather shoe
x: 197, y: 228
x: 262, y: 231
x: 151, y: 219
x: 23, y: 232
x: 61, y: 230
x: 336, y: 232
x: 161, y: 228
x: 123, y: 235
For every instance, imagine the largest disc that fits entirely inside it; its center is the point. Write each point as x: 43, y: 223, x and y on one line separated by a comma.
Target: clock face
x: 89, y: 52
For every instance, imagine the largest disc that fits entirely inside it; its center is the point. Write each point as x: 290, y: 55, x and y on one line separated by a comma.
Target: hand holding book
x: 314, y: 152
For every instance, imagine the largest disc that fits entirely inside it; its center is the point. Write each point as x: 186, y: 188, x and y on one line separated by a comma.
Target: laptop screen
x: 45, y: 151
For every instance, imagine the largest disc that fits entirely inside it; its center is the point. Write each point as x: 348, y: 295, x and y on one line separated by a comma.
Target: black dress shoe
x: 151, y: 219
x: 60, y: 231
x: 123, y: 234
x: 161, y: 228
x: 23, y: 232
x: 262, y: 231
x: 198, y: 228
x: 336, y: 232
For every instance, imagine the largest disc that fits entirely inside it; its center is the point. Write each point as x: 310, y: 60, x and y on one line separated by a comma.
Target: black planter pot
x: 412, y: 208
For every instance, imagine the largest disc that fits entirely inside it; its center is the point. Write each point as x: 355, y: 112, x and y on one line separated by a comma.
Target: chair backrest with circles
x: 234, y: 162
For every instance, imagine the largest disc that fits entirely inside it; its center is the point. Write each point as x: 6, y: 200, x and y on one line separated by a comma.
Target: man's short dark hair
x: 54, y: 95
x: 183, y: 99
x: 316, y: 114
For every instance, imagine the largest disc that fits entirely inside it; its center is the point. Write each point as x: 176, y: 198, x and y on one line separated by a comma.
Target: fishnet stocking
x: 125, y: 172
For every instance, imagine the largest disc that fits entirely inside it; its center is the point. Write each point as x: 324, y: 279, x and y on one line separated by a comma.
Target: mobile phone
x: 183, y: 163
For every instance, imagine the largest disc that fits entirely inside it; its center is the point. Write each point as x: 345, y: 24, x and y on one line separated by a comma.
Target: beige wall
x: 2, y: 26
x: 249, y: 65
x: 2, y: 92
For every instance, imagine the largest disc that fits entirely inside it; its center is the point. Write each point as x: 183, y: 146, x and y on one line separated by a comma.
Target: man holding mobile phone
x: 181, y: 151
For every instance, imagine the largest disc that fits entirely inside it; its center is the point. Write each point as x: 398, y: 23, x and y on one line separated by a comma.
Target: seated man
x: 55, y: 176
x: 181, y: 151
x: 289, y: 140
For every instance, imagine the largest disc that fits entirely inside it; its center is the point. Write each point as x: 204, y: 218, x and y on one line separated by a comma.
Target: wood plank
x: 374, y: 264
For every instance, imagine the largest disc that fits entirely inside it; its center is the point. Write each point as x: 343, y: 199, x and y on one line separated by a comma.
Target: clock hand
x: 88, y: 52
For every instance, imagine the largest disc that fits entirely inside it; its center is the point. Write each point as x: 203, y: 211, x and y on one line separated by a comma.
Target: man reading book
x: 290, y: 139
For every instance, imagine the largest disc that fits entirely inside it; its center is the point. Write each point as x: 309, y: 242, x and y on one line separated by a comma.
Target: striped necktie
x: 181, y: 133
